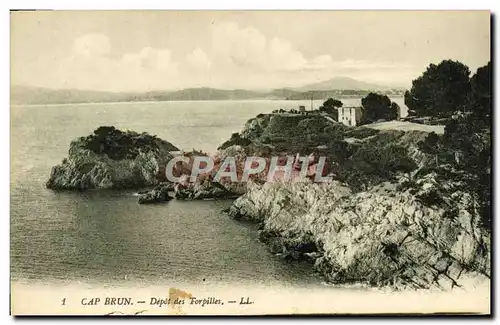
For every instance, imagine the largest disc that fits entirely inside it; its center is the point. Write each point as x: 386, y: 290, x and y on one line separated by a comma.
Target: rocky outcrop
x: 110, y: 158
x: 159, y: 194
x: 419, y: 235
x: 359, y: 156
x: 202, y: 191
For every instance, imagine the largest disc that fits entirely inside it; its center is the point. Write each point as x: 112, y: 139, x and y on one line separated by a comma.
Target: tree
x: 468, y: 144
x: 395, y: 111
x: 330, y: 106
x: 431, y: 145
x: 440, y: 91
x: 376, y: 107
x: 480, y: 94
x: 376, y: 162
x: 235, y: 139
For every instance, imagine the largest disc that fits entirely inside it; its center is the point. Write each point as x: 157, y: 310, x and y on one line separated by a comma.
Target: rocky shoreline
x: 392, y: 216
x: 159, y: 194
x: 382, y: 237
x: 114, y: 159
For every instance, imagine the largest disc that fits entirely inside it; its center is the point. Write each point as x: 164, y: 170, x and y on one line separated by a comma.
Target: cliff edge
x: 423, y: 236
x: 110, y: 158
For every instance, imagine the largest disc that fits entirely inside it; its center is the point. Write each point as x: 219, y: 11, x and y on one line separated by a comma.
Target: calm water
x: 106, y: 236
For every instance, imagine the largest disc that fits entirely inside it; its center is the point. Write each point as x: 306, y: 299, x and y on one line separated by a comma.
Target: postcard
x: 250, y: 162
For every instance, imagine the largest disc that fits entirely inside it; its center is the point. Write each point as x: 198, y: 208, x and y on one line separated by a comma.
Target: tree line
x: 375, y: 107
x: 443, y: 90
x: 463, y: 152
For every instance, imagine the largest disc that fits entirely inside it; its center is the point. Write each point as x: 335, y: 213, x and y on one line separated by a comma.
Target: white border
x: 256, y: 5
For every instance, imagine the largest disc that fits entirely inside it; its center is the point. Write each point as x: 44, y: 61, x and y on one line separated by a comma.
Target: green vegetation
x: 331, y: 106
x: 479, y: 99
x: 378, y: 107
x: 412, y: 208
x: 362, y: 157
x: 360, y: 132
x: 122, y: 145
x: 441, y: 91
x: 235, y: 140
x: 464, y: 151
x: 293, y: 133
x: 377, y: 159
x: 374, y: 157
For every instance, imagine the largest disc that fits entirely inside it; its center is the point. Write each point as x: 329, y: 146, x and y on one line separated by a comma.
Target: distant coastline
x: 334, y: 88
x: 187, y: 101
x: 20, y: 102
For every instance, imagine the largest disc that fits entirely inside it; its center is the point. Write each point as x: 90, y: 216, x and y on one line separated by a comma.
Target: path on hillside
x: 397, y: 125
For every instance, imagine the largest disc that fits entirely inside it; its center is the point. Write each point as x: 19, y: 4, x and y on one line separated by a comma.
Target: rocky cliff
x: 358, y: 156
x: 110, y: 158
x: 420, y: 236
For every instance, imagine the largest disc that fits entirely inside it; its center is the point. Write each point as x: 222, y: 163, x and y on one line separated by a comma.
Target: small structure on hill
x: 302, y: 108
x: 350, y: 116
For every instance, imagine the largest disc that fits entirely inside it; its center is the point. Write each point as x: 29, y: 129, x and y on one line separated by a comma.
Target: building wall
x: 349, y: 115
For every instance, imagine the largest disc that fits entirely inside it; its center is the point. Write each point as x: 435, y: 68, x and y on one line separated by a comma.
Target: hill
x: 341, y: 83
x: 204, y: 94
x: 33, y: 95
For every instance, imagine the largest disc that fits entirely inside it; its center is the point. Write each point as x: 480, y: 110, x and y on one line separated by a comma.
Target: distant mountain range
x: 35, y: 95
x: 336, y: 87
x: 342, y: 83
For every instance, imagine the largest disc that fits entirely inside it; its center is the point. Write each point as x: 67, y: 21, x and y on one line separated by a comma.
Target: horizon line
x: 296, y: 89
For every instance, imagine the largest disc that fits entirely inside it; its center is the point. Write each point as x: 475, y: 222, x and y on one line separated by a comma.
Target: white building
x: 350, y: 115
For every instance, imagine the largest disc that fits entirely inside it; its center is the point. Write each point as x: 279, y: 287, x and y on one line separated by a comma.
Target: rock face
x: 110, y: 158
x: 159, y: 194
x: 203, y: 190
x: 419, y: 236
x: 358, y: 156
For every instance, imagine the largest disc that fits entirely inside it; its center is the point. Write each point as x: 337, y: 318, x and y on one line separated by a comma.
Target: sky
x: 169, y: 50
